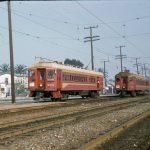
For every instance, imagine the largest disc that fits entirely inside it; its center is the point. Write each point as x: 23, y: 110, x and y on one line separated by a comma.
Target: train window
x: 63, y: 77
x: 51, y: 74
x: 32, y: 73
x: 117, y: 79
x: 42, y: 74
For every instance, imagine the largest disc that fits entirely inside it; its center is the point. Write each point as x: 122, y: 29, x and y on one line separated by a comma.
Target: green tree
x: 100, y: 70
x: 20, y: 69
x: 4, y: 68
x: 73, y: 62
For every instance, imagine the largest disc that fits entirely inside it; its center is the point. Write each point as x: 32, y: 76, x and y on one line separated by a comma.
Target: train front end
x: 121, y: 83
x: 41, y: 82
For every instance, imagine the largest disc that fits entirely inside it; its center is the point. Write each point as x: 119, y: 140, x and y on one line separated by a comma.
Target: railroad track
x: 54, y: 105
x: 12, y: 129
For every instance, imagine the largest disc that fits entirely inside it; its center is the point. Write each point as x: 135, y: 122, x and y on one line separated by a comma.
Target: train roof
x: 125, y: 74
x: 47, y: 64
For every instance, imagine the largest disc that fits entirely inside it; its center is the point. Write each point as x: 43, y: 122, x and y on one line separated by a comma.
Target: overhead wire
x: 39, y: 38
x: 42, y: 25
x: 27, y: 34
x: 110, y: 27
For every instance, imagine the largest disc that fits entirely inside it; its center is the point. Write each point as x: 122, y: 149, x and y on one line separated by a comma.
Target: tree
x: 73, y: 62
x: 100, y: 70
x: 20, y: 69
x: 4, y: 68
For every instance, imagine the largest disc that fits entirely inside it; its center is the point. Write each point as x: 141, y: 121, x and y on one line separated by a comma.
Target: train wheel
x: 122, y: 94
x: 133, y: 93
x: 93, y: 95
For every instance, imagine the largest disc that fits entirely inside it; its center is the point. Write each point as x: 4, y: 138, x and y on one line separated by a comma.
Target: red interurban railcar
x: 55, y: 81
x: 133, y: 84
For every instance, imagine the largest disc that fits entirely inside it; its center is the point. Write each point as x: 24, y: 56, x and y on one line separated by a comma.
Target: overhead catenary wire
x: 110, y: 27
x: 79, y: 24
x: 42, y: 39
x: 44, y: 26
x: 33, y: 21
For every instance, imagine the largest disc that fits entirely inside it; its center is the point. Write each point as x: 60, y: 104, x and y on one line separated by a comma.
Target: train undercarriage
x: 124, y: 93
x: 59, y: 96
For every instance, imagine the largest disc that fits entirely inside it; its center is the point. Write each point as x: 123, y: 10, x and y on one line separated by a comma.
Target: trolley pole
x: 11, y: 52
x: 121, y: 56
x: 90, y: 39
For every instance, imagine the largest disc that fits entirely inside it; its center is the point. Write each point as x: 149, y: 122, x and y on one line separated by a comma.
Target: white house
x: 5, y: 84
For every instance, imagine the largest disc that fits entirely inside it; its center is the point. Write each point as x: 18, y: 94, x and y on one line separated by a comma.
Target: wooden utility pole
x: 11, y: 52
x: 145, y: 70
x: 121, y: 57
x: 90, y: 39
x: 137, y: 65
x: 105, y: 70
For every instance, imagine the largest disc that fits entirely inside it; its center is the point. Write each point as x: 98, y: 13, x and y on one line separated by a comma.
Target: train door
x: 131, y: 83
x: 98, y: 83
x: 59, y: 83
x: 125, y: 83
x: 51, y: 80
x: 41, y: 75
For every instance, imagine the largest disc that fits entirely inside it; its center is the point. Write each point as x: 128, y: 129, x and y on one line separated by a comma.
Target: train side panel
x: 49, y: 80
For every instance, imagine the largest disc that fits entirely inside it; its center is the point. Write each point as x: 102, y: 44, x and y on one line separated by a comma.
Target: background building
x: 21, y: 84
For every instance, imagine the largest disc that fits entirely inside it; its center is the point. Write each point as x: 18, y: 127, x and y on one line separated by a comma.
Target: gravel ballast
x: 73, y: 135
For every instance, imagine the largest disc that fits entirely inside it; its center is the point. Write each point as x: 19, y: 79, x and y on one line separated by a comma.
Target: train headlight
x: 41, y: 85
x: 117, y: 86
x: 31, y: 84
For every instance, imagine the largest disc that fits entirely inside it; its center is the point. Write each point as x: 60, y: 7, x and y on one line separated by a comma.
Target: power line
x: 91, y: 13
x: 39, y: 38
x: 27, y: 34
x: 44, y: 26
x: 103, y: 52
x: 79, y: 24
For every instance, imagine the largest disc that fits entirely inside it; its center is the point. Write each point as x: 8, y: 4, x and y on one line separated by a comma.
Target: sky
x: 56, y: 29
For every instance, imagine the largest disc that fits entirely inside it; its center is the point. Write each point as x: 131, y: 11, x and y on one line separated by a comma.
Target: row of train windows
x: 142, y: 82
x: 50, y: 74
x: 78, y: 78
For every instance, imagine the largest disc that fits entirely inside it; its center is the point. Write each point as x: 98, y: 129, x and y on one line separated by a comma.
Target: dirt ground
x: 135, y: 138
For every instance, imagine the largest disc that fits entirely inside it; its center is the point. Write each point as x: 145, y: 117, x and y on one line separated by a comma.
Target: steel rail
x: 31, y: 120
x: 113, y: 133
x: 13, y: 130
x: 27, y: 109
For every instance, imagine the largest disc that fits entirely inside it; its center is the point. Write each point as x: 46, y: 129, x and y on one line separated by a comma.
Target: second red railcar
x: 133, y: 84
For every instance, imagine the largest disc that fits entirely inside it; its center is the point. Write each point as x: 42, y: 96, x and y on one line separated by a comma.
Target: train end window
x: 117, y: 79
x: 31, y: 73
x: 51, y: 74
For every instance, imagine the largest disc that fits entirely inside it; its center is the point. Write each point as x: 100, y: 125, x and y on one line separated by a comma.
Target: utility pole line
x: 137, y: 64
x: 121, y: 57
x: 105, y: 70
x: 11, y: 53
x: 142, y: 69
x: 91, y: 39
x: 145, y: 69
